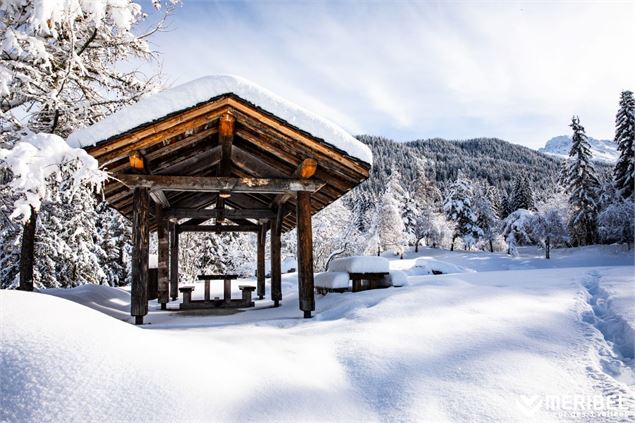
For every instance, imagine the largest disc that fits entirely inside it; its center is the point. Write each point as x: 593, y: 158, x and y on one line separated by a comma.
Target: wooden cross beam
x: 218, y: 184
x: 139, y: 164
x: 217, y: 228
x: 305, y: 170
x: 181, y: 213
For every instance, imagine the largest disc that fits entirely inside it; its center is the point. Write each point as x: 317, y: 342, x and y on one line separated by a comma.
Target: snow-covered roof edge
x: 200, y: 90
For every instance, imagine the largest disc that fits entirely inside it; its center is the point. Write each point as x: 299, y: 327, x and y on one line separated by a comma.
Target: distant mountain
x: 603, y: 150
x: 496, y: 161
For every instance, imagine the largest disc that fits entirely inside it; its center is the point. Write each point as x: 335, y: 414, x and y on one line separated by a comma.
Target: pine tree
x: 487, y: 217
x: 624, y: 172
x: 582, y: 186
x: 390, y: 226
x: 458, y: 208
x: 522, y: 196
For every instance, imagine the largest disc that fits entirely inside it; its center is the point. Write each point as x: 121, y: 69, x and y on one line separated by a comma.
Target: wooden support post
x: 174, y: 261
x: 260, y: 273
x: 305, y: 254
x: 227, y: 290
x: 163, y: 257
x: 140, y: 247
x: 276, y: 267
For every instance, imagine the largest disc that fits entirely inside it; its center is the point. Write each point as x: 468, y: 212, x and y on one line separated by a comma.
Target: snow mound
x: 430, y: 266
x: 360, y: 264
x: 114, y: 302
x: 332, y: 280
x: 398, y: 278
x: 203, y: 89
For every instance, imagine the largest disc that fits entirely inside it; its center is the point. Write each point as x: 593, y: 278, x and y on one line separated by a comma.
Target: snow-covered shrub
x: 517, y: 230
x: 617, y: 222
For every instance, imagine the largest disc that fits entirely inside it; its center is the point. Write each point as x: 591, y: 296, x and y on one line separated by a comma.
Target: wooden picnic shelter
x: 222, y: 165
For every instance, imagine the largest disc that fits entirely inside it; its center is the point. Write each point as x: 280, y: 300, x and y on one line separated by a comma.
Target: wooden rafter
x: 219, y: 184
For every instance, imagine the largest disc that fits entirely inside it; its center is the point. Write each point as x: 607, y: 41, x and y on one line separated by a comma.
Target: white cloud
x: 416, y: 70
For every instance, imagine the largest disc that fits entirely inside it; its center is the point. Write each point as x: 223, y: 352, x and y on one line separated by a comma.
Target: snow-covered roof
x: 190, y: 94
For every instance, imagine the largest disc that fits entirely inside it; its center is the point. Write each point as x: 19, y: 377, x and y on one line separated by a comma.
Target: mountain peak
x: 602, y: 150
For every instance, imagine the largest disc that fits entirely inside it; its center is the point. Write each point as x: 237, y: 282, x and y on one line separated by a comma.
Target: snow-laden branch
x: 37, y: 161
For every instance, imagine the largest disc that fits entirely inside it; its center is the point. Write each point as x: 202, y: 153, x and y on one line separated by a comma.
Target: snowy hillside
x: 493, y: 342
x: 602, y: 150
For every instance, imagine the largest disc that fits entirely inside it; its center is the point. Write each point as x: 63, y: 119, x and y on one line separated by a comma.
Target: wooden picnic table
x: 227, y: 288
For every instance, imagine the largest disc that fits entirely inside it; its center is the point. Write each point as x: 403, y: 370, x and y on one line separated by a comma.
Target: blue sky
x: 409, y: 70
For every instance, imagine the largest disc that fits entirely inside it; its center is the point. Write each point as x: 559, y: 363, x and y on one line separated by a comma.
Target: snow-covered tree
x: 582, y: 186
x: 625, y: 138
x: 45, y: 171
x: 487, y: 217
x: 517, y: 230
x: 459, y: 209
x: 548, y: 225
x: 617, y: 222
x: 334, y: 234
x: 522, y: 196
x: 390, y: 227
x: 60, y: 69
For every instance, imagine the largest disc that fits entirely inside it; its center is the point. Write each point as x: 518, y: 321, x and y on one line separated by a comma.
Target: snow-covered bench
x: 363, y: 268
x: 331, y: 282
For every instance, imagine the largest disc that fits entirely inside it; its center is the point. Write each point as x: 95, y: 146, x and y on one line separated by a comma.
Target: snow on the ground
x: 200, y: 90
x: 488, y: 345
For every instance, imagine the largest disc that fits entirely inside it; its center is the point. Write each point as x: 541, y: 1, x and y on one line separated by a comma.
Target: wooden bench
x: 372, y: 278
x: 247, y: 290
x: 187, y: 293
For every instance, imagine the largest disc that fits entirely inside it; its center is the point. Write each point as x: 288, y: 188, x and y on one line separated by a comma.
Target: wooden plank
x: 181, y: 213
x: 174, y: 261
x: 306, y: 167
x: 305, y: 254
x: 159, y: 198
x: 276, y: 266
x: 217, y: 184
x: 260, y: 271
x: 216, y: 277
x: 226, y: 139
x: 140, y: 247
x: 217, y: 228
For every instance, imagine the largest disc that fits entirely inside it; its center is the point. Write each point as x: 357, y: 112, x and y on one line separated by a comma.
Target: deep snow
x: 486, y: 345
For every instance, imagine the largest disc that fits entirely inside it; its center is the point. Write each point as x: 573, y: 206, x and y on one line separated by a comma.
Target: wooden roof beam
x: 219, y: 184
x: 181, y: 213
x: 304, y: 171
x: 217, y: 228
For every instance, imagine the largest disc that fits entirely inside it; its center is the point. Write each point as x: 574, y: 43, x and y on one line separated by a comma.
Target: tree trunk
x: 452, y: 245
x: 547, y: 248
x: 491, y: 246
x: 27, y: 253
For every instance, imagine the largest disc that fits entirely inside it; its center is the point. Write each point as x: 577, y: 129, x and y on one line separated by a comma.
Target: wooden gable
x: 189, y: 143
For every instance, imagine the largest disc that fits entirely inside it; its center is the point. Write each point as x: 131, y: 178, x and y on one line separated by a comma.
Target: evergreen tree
x: 582, y: 186
x: 390, y: 226
x: 487, y: 217
x: 458, y: 207
x: 522, y: 196
x: 624, y: 172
